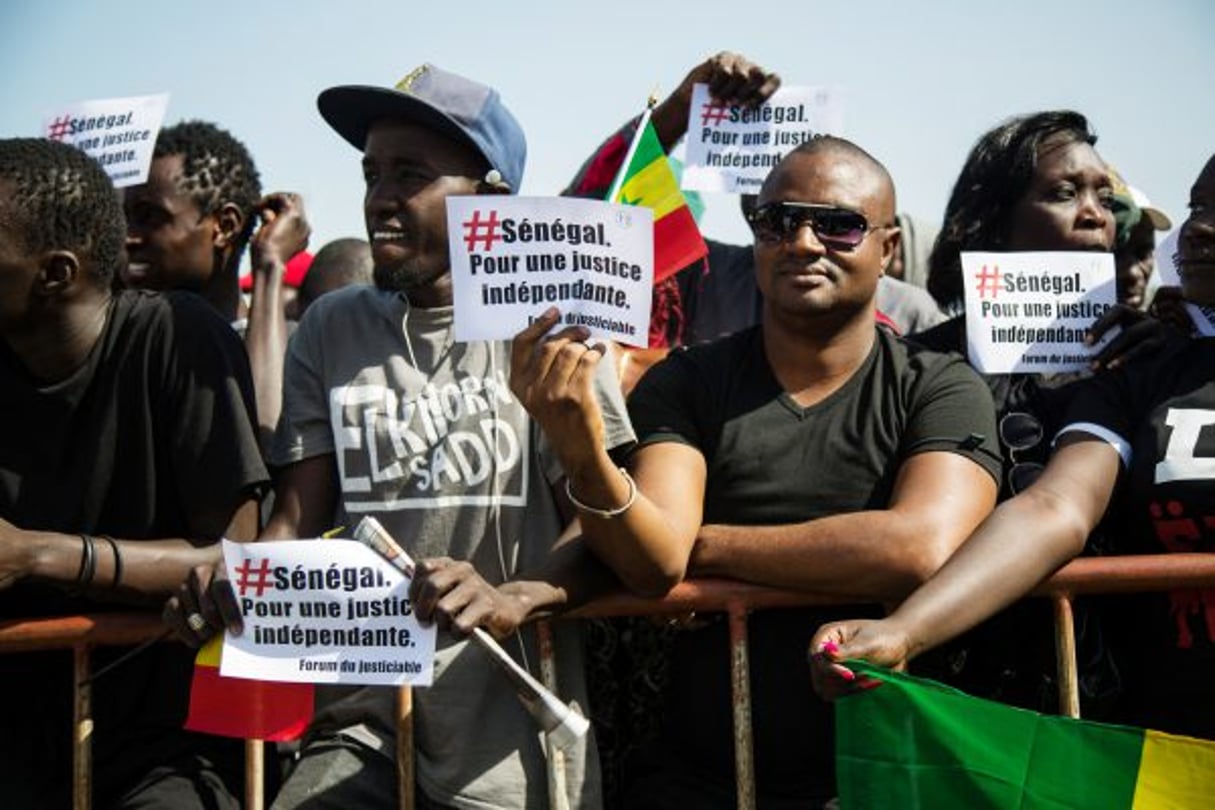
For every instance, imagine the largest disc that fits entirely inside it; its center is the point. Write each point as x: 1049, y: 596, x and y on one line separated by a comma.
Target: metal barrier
x: 1102, y: 575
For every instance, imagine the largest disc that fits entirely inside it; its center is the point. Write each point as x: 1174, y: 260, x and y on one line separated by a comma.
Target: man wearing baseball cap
x: 1136, y: 221
x: 385, y: 415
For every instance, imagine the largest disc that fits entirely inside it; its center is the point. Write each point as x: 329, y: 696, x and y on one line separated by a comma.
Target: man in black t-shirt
x: 187, y: 229
x: 813, y: 451
x: 128, y: 449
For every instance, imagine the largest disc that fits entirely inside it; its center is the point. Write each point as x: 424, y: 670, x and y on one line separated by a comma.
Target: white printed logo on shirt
x: 452, y: 444
x: 1179, y: 462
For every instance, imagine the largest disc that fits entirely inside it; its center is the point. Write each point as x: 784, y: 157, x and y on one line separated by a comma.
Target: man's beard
x: 406, y: 277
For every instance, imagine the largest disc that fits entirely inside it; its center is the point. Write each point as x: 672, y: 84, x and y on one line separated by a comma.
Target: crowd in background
x: 176, y: 367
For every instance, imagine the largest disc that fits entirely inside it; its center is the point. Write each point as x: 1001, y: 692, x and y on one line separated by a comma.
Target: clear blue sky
x: 921, y: 80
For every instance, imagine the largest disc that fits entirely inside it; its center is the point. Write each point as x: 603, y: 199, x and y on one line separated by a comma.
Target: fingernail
x: 829, y: 647
x: 847, y: 674
x: 551, y: 312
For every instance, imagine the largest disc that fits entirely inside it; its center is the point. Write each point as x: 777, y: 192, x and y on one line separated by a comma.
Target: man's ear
x: 59, y: 270
x: 229, y: 225
x: 892, y: 239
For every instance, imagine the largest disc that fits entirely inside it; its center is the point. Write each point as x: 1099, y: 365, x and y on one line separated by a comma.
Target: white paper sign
x: 1203, y: 317
x: 1166, y: 268
x: 514, y: 257
x: 323, y: 611
x: 119, y: 133
x: 1028, y: 312
x: 732, y: 148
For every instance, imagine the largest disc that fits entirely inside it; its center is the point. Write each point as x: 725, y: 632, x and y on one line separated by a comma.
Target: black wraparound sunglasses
x: 837, y: 228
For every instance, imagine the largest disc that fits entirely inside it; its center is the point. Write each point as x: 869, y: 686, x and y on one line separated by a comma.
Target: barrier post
x: 82, y: 728
x: 740, y: 691
x: 1065, y: 656
x: 558, y: 795
x: 405, y: 775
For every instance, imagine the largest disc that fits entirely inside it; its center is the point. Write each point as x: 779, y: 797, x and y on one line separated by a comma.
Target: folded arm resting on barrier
x: 110, y: 568
x: 996, y: 566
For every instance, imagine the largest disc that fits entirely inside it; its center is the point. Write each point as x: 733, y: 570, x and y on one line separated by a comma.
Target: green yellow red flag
x: 912, y: 743
x: 646, y: 179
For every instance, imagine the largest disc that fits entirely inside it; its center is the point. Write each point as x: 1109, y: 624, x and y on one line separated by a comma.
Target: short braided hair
x: 216, y: 168
x: 61, y: 199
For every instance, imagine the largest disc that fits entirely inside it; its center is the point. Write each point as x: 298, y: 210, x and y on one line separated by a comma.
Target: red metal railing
x: 737, y: 599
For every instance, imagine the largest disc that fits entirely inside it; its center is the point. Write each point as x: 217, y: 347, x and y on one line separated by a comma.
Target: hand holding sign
x: 206, y: 594
x: 732, y: 79
x: 563, y: 723
x: 553, y: 377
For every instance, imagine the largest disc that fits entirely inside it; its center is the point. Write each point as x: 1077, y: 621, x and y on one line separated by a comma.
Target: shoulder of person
x: 917, y: 354
x: 949, y: 336
x: 353, y: 303
x: 173, y: 318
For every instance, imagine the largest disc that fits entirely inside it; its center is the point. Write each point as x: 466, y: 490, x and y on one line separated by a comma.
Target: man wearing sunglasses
x: 812, y: 451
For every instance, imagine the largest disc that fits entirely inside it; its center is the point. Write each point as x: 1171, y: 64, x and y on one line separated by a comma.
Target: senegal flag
x: 236, y: 707
x: 912, y: 743
x: 646, y: 179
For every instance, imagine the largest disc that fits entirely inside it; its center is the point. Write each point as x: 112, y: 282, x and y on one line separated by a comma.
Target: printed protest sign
x: 1028, y: 312
x: 325, y: 611
x: 732, y: 148
x: 514, y: 257
x: 119, y: 133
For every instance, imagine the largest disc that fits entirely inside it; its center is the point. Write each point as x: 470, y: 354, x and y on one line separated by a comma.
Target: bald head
x: 338, y: 264
x: 848, y: 164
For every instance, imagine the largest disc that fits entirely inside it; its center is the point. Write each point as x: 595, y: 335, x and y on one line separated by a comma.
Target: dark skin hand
x: 1143, y: 333
x: 284, y: 230
x: 732, y: 79
x: 452, y: 594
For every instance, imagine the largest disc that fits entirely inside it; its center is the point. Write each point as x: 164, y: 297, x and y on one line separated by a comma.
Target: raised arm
x: 732, y: 79
x: 283, y: 233
x: 626, y: 522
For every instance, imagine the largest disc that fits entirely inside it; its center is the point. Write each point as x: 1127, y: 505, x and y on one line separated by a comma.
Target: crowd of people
x: 815, y: 425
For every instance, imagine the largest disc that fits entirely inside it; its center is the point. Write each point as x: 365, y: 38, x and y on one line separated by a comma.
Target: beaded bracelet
x: 606, y: 514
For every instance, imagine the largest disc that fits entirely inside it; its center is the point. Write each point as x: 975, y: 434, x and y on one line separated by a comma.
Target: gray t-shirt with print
x: 428, y: 438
